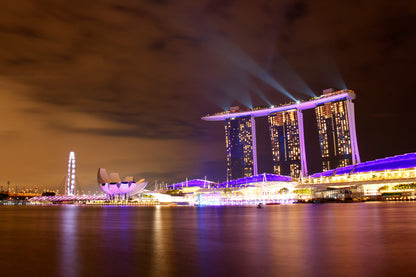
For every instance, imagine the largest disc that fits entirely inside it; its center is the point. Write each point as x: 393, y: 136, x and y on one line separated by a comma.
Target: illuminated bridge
x: 336, y: 127
x: 67, y: 198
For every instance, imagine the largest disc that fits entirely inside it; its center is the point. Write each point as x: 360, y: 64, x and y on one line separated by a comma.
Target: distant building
x: 239, y: 146
x: 284, y: 134
x: 336, y: 135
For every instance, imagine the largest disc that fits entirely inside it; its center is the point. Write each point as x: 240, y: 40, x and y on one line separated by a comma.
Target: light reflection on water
x: 68, y: 246
x: 363, y: 239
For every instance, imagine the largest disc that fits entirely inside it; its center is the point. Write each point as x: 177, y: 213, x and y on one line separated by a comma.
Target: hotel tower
x: 240, y: 146
x: 284, y: 134
x: 336, y: 131
x: 337, y: 138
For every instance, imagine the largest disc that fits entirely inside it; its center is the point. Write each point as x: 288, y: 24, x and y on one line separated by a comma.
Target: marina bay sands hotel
x: 336, y: 128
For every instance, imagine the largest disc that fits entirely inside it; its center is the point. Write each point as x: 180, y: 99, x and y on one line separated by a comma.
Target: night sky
x: 125, y: 83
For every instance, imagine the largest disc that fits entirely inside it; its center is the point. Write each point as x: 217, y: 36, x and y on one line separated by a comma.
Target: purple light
x: 112, y: 185
x: 390, y: 163
x: 104, y: 187
x: 344, y: 94
x: 192, y: 183
x: 62, y: 198
x: 242, y: 182
x: 123, y: 187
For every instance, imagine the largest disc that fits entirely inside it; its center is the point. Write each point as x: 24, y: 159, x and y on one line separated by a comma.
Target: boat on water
x: 270, y: 204
x: 260, y: 206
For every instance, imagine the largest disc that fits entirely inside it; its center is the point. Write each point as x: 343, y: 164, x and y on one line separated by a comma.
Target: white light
x: 71, y: 177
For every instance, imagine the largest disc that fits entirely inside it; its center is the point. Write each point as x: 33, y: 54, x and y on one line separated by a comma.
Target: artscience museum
x: 112, y: 184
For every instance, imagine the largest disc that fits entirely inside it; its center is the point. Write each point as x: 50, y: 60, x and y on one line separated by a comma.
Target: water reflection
x: 160, y: 236
x: 364, y: 239
x: 68, y: 247
x: 208, y: 244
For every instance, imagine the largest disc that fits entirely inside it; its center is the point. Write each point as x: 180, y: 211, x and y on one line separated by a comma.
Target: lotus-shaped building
x: 113, y: 185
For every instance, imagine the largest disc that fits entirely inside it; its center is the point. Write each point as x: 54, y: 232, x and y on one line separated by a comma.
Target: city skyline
x: 124, y: 85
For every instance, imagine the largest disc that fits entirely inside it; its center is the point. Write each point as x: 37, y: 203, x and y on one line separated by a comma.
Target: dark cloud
x: 23, y: 31
x: 165, y: 43
x: 20, y: 61
x: 295, y: 11
x: 219, y: 8
x: 130, y: 10
x: 397, y: 32
x: 150, y: 129
x: 159, y: 2
x: 383, y: 115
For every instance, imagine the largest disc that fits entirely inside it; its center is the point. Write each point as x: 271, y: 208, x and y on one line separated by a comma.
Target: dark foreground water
x: 357, y: 239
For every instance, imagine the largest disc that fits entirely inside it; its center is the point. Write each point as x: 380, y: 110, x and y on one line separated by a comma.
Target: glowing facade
x: 337, y: 136
x: 70, y: 182
x: 382, y: 178
x: 284, y: 134
x: 240, y: 147
x: 369, y: 176
x: 113, y: 185
x: 336, y: 125
x: 192, y: 183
